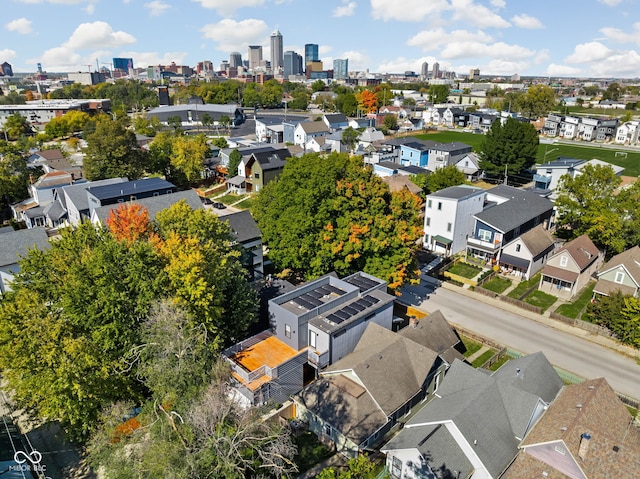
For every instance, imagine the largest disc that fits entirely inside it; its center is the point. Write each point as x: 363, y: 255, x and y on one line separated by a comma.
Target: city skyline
x: 499, y: 37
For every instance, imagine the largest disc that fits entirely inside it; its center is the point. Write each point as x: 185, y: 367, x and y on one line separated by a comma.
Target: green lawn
x: 471, y: 346
x: 310, y: 451
x: 497, y: 284
x: 495, y: 366
x: 573, y: 310
x: 230, y: 198
x: 549, y: 152
x: 483, y: 358
x: 246, y: 204
x: 540, y: 299
x: 465, y: 270
x: 519, y: 290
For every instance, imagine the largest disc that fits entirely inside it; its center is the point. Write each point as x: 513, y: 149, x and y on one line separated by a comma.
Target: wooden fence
x: 578, y: 323
x: 521, y: 304
x: 484, y: 292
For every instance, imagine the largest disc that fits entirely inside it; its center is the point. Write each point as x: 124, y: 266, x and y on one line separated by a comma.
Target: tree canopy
x: 330, y: 213
x: 513, y: 145
x: 77, y: 309
x: 445, y: 177
x: 112, y: 151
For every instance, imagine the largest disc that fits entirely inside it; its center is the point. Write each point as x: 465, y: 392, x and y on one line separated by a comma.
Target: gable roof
x: 401, y: 182
x: 521, y: 206
x: 272, y: 159
x: 630, y: 260
x: 582, y: 250
x: 461, y: 192
x: 334, y: 118
x: 55, y: 154
x: 377, y: 360
x: 243, y: 226
x: 16, y: 244
x: 53, y: 179
x: 435, y: 333
x: 314, y: 127
x: 592, y: 408
x: 490, y: 411
x: 537, y: 240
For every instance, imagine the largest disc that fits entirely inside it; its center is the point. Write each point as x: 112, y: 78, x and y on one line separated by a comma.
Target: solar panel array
x: 352, y: 309
x: 365, y: 284
x: 312, y: 299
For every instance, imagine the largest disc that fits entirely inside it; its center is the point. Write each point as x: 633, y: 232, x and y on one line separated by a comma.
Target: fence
x: 484, y: 292
x: 578, y: 323
x: 521, y: 304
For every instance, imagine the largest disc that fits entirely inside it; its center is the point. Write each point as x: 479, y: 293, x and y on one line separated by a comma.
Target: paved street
x: 567, y: 347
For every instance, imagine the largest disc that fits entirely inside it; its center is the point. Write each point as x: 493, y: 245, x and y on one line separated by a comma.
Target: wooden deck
x: 271, y: 352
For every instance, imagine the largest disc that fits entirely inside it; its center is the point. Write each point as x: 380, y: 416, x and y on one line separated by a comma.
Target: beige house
x: 571, y: 268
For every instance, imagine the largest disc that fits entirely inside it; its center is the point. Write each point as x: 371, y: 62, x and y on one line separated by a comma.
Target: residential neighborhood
x: 288, y: 268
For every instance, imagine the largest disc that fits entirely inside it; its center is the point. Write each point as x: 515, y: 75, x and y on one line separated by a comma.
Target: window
x: 484, y: 235
x: 439, y: 205
x: 517, y: 248
x: 619, y: 277
x: 428, y: 221
x: 312, y: 339
x: 256, y: 176
x: 449, y: 227
x: 564, y: 261
x: 287, y: 330
x: 429, y: 204
x: 327, y: 430
x: 396, y: 467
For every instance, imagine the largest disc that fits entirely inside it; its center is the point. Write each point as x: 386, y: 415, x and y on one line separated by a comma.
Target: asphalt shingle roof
x: 243, y: 226
x: 522, y: 206
x: 16, y: 244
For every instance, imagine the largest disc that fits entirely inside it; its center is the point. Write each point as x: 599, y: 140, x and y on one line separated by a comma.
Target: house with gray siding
x: 621, y: 274
x: 15, y: 245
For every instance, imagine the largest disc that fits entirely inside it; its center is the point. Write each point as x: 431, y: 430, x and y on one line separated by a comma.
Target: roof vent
x: 616, y: 448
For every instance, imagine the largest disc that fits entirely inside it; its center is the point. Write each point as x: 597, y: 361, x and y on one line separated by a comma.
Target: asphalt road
x: 565, y: 347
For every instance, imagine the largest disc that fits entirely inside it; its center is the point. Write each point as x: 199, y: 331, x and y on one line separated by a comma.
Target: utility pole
x: 505, y: 174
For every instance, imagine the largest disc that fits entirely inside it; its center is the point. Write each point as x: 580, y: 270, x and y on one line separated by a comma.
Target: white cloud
x: 97, y: 35
x: 7, y: 54
x: 324, y: 50
x: 89, y: 9
x: 228, y: 7
x: 611, y: 3
x: 477, y: 15
x: 588, y: 52
x: 145, y: 59
x: 401, y: 64
x: 498, y: 3
x: 562, y: 70
x: 526, y: 21
x: 502, y: 67
x: 60, y: 59
x: 357, y: 60
x: 232, y: 35
x: 430, y: 40
x: 619, y: 36
x: 20, y: 25
x: 498, y: 50
x: 622, y: 64
x: 410, y: 10
x: 157, y: 7
x: 347, y: 9
x: 58, y: 2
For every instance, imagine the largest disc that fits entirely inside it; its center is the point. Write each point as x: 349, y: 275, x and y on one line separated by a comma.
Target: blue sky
x: 585, y: 38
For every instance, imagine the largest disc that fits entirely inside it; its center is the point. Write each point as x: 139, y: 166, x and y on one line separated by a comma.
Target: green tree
x: 220, y: 142
x: 618, y: 313
x: 586, y: 204
x: 538, y: 101
x: 347, y: 104
x: 271, y: 94
x: 235, y: 157
x: 300, y: 100
x: 439, y: 93
x: 188, y: 155
x: 359, y: 467
x: 112, y: 151
x: 612, y: 92
x: 444, y: 178
x: 390, y: 122
x: 16, y: 126
x: 350, y: 137
x: 330, y: 213
x: 175, y: 122
x: 207, y: 120
x: 14, y: 174
x: 514, y: 145
x: 318, y: 85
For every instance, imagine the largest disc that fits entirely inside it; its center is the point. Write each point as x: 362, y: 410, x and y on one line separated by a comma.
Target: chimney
x: 413, y: 322
x: 584, y: 446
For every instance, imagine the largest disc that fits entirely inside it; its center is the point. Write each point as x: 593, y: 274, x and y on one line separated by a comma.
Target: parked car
x: 219, y: 206
x: 206, y: 201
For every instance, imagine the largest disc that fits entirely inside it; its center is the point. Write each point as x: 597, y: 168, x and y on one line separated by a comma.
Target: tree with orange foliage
x: 129, y: 222
x: 368, y: 101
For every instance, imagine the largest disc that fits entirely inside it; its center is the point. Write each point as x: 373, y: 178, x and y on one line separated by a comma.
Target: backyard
x: 310, y: 451
x: 574, y: 310
x: 497, y: 284
x: 523, y: 287
x: 465, y: 270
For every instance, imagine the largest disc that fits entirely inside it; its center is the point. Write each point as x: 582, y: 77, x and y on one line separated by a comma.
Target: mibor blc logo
x: 29, y: 462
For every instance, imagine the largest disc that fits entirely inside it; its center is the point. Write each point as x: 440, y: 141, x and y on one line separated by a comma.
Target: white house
x: 449, y: 218
x: 569, y: 127
x: 627, y: 133
x: 306, y: 130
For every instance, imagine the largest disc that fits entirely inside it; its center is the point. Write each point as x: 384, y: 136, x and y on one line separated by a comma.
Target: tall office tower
x: 292, y: 64
x: 277, y: 59
x: 340, y: 68
x: 436, y: 70
x: 425, y: 70
x: 311, y: 53
x: 235, y: 60
x: 255, y: 56
x: 474, y: 74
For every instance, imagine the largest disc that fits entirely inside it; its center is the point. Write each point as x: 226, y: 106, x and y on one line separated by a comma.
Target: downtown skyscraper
x: 277, y: 58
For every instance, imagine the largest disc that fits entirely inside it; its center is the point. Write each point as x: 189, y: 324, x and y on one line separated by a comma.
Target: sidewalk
x: 545, y: 319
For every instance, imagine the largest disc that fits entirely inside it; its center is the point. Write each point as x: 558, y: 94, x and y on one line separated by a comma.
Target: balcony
x: 320, y: 360
x: 488, y: 246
